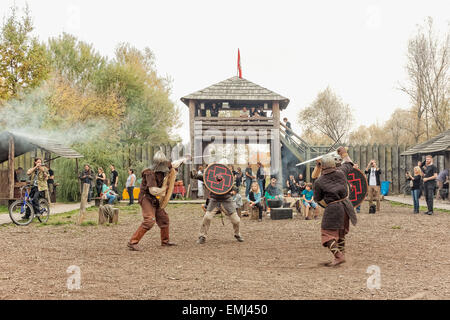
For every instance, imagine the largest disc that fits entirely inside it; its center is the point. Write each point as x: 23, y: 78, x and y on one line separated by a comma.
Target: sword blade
x: 310, y: 160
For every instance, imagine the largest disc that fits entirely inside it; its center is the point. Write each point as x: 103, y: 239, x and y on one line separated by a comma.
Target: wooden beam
x: 11, y: 166
x: 276, y: 114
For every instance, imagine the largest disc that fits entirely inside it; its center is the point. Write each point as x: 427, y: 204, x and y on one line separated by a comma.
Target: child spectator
x: 308, y: 201
x: 237, y: 199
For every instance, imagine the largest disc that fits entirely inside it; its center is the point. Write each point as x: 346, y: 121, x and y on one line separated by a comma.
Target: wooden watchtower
x: 235, y: 94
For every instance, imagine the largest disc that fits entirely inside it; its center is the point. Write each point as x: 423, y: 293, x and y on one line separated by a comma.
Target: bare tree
x: 428, y: 84
x: 327, y: 115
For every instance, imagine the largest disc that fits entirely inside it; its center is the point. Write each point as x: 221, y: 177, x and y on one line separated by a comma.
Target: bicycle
x: 22, y: 212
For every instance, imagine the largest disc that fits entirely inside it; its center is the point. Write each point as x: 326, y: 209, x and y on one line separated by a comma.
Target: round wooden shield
x: 358, y: 186
x: 218, y: 178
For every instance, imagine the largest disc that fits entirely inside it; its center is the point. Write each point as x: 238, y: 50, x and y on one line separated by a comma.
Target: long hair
x: 257, y: 186
x: 418, y: 170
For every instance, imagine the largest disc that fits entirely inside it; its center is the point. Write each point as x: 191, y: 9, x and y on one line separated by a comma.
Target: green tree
x: 24, y: 61
x: 75, y: 60
x: 150, y: 115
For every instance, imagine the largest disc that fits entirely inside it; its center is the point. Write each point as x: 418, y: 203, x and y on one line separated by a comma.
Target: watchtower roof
x: 236, y: 89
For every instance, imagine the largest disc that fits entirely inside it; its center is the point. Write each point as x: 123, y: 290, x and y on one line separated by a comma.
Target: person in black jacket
x: 415, y: 189
x: 373, y: 180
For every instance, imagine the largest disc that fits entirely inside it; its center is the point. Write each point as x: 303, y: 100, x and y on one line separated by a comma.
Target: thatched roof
x: 25, y: 143
x: 236, y: 89
x: 438, y: 144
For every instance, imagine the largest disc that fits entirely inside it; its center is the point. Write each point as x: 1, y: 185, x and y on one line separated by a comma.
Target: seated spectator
x: 291, y: 184
x: 108, y: 194
x: 254, y: 199
x: 214, y: 110
x: 244, y: 113
x: 308, y: 201
x: 273, y: 192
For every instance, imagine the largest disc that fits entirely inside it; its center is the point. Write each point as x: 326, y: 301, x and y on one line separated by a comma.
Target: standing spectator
x: 249, y: 176
x: 114, y: 180
x: 429, y: 182
x: 87, y: 176
x: 214, y: 110
x: 244, y: 113
x: 300, y: 183
x: 291, y: 184
x: 50, y: 181
x: 238, y: 177
x: 261, y: 112
x: 261, y: 178
x: 358, y: 208
x: 288, y: 130
x: 131, y: 181
x: 253, y: 112
x: 416, y: 186
x: 441, y: 179
x: 100, y: 180
x: 237, y: 200
x: 373, y: 179
x: 200, y: 183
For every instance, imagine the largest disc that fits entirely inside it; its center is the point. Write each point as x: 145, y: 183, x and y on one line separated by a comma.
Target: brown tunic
x: 332, y: 186
x: 150, y: 179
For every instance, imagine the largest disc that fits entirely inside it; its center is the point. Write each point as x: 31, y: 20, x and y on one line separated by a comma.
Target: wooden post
x: 402, y: 169
x: 115, y: 217
x: 308, y: 165
x: 83, y: 204
x: 192, y: 137
x: 101, y: 216
x: 395, y: 170
x: 389, y: 165
x: 382, y: 161
x: 11, y: 166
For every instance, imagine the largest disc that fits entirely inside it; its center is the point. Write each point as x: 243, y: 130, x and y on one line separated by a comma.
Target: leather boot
x: 165, y: 237
x: 137, y: 236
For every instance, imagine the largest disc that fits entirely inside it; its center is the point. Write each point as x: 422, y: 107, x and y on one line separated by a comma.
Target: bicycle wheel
x: 44, y: 211
x: 21, y: 212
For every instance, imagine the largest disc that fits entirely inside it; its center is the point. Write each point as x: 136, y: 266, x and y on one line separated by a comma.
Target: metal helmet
x: 160, y: 162
x: 331, y: 160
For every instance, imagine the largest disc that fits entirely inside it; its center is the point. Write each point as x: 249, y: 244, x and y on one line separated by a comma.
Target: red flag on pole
x: 239, y: 64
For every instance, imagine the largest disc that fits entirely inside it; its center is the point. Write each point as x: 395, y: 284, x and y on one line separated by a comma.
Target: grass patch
x: 396, y: 227
x: 88, y: 223
x: 55, y: 223
x: 3, y: 209
x: 421, y: 208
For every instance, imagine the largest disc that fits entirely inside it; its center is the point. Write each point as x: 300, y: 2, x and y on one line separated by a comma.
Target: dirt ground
x: 280, y: 259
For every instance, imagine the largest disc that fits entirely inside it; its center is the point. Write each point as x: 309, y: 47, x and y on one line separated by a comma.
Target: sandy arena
x: 278, y: 260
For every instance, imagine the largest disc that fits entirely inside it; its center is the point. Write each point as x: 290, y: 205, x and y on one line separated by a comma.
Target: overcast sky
x: 294, y: 48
